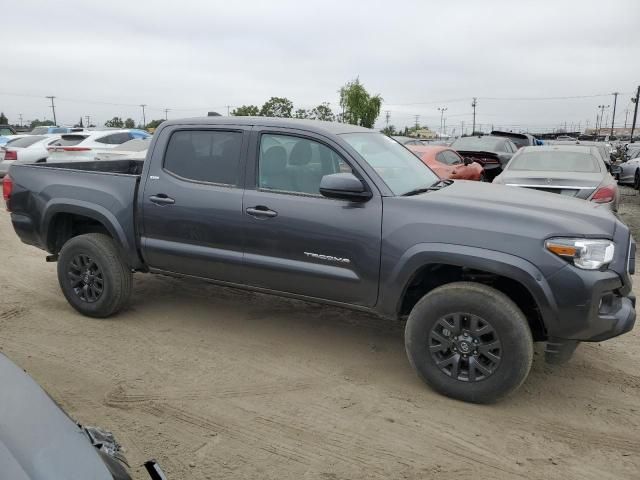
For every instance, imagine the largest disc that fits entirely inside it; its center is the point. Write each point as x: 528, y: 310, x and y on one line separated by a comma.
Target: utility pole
x: 601, y: 107
x: 417, y: 124
x: 462, y: 128
x: 53, y: 107
x: 387, y: 115
x: 20, y: 115
x: 144, y: 118
x: 635, y: 112
x: 166, y: 113
x: 473, y: 104
x: 613, y: 120
x: 228, y: 107
x: 626, y: 116
x: 88, y: 117
x: 442, y: 110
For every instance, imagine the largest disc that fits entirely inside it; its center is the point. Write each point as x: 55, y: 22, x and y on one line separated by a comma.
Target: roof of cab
x: 316, y: 126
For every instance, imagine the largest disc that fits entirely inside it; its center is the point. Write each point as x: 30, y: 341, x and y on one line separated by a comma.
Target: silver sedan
x: 572, y: 170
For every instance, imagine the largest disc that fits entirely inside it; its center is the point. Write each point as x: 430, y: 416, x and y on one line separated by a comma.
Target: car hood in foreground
x: 38, y: 440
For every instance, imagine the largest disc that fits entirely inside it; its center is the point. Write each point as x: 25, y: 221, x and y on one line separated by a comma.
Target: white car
x: 132, y: 150
x: 84, y: 146
x: 27, y: 149
x: 630, y: 169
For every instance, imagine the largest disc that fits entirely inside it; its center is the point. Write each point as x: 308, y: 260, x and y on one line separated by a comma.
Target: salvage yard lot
x: 221, y: 383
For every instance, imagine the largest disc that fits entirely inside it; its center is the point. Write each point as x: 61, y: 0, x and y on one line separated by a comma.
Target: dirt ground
x: 219, y: 383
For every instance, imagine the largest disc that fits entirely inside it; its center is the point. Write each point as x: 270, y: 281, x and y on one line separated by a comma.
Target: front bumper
x: 593, y: 306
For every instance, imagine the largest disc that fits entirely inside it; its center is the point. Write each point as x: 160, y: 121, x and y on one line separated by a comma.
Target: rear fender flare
x: 89, y: 210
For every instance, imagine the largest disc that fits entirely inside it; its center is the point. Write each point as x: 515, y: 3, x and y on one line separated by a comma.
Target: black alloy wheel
x: 465, y: 347
x: 86, y: 278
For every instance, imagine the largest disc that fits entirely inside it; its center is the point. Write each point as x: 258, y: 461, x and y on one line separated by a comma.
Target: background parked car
x: 519, y: 139
x: 629, y: 172
x: 7, y: 130
x: 4, y: 140
x: 407, y: 140
x: 448, y: 163
x: 572, y: 170
x: 84, y: 146
x: 54, y: 129
x: 28, y: 149
x: 135, y: 149
x: 490, y: 151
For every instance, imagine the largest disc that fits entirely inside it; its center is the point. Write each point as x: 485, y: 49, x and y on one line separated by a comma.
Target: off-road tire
x: 116, y: 277
x: 475, y: 301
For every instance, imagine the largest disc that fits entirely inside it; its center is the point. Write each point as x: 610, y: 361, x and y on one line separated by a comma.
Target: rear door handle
x: 161, y: 199
x: 260, y: 211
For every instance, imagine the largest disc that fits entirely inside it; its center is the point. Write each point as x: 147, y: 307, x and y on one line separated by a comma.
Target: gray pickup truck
x: 339, y: 214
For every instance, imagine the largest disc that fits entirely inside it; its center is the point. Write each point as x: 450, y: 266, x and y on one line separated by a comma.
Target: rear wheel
x: 469, y: 341
x: 92, y: 276
x: 636, y: 180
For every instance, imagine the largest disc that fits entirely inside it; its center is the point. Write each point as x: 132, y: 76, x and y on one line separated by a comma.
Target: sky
x: 521, y: 60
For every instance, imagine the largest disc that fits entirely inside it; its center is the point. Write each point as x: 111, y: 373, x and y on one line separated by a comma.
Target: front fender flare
x: 491, y: 261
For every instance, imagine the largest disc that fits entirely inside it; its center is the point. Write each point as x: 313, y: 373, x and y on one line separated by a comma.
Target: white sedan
x: 27, y: 149
x: 84, y: 146
x: 630, y: 170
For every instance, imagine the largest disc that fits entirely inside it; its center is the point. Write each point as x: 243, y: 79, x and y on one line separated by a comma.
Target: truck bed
x: 105, y: 191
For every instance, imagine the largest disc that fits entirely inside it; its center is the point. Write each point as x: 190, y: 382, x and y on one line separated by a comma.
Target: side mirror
x: 345, y: 186
x: 467, y: 161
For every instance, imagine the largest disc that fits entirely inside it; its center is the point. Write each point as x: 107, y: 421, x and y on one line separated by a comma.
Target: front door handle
x: 260, y: 211
x: 161, y: 199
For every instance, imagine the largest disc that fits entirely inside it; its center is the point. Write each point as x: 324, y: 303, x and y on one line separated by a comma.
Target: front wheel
x: 93, y: 277
x: 469, y: 341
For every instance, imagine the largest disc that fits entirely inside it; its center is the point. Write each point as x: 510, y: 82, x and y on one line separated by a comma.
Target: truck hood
x: 38, y: 440
x: 511, y: 220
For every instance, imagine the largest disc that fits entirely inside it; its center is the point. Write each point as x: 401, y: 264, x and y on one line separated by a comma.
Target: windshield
x: 400, y: 169
x: 489, y: 144
x: 25, y: 141
x: 555, y: 161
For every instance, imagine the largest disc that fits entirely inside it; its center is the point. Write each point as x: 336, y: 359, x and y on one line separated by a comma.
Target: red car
x: 447, y: 163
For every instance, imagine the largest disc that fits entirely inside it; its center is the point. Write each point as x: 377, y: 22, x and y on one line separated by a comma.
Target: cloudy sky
x: 518, y: 58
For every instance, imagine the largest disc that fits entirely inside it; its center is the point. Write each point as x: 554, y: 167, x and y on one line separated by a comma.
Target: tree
x: 322, y: 112
x: 129, y: 123
x: 155, y: 123
x: 301, y: 113
x: 40, y: 123
x: 360, y: 108
x: 277, y: 107
x: 246, y: 111
x: 3, y: 119
x: 389, y: 130
x: 115, y: 122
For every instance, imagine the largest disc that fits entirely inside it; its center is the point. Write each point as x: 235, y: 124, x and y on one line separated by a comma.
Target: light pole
x: 144, y: 118
x: 601, y: 107
x: 473, y: 104
x: 441, y: 110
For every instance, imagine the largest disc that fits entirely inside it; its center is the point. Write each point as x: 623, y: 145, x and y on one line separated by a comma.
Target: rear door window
x: 115, y: 138
x: 211, y: 156
x: 25, y: 141
x: 69, y: 140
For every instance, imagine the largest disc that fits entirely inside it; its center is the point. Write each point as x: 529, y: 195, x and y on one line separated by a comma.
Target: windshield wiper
x: 435, y: 186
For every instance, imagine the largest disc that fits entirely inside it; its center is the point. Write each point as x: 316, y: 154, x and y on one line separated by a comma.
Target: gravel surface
x: 219, y: 383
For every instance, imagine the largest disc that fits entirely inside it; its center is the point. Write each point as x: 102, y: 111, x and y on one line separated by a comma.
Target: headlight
x: 583, y: 252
